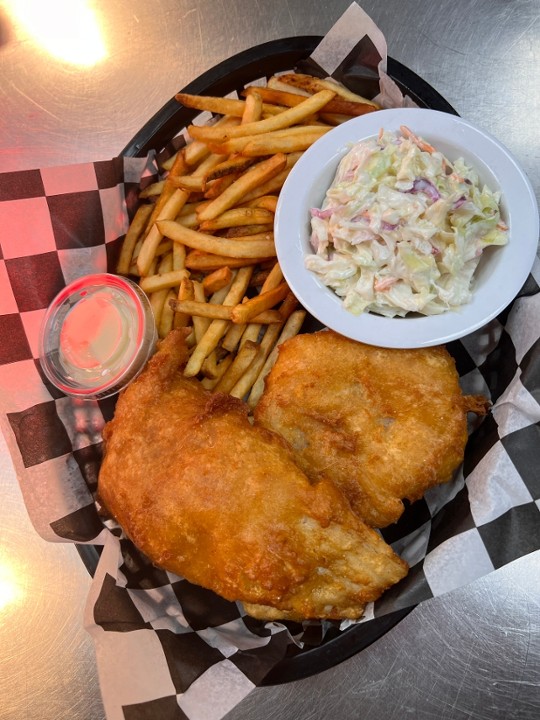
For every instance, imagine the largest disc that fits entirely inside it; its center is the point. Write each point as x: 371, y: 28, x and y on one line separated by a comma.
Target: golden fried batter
x: 382, y: 424
x: 208, y: 496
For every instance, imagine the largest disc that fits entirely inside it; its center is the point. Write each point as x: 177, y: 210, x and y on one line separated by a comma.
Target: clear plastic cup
x: 97, y: 335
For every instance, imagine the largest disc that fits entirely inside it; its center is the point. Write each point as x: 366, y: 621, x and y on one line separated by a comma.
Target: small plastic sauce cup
x: 97, y: 335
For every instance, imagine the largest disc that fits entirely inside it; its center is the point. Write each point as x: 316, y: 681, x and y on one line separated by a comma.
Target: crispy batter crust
x: 382, y: 424
x: 208, y: 496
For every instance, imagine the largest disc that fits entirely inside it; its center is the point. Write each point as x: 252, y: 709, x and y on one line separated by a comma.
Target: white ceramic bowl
x: 500, y: 274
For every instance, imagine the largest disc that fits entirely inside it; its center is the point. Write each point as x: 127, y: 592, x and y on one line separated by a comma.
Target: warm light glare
x: 10, y: 589
x: 67, y: 29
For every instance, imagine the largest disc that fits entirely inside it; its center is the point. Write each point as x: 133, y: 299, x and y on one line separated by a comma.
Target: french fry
x: 270, y: 139
x: 247, y: 231
x: 185, y: 292
x: 235, y: 164
x: 231, y: 147
x: 163, y: 248
x: 258, y: 278
x: 253, y: 109
x: 157, y: 303
x: 221, y: 369
x: 133, y: 270
x: 159, y: 297
x: 220, y: 312
x: 191, y: 183
x: 253, y: 329
x: 261, y: 248
x: 133, y: 234
x: 254, y: 177
x: 196, y: 181
x: 200, y: 324
x: 288, y: 306
x: 268, y: 202
x: 152, y: 190
x: 179, y: 167
x: 275, y: 277
x: 244, y: 384
x: 291, y: 328
x: 179, y: 256
x: 203, y: 309
x: 219, y: 105
x: 273, y: 185
x: 245, y: 312
x: 289, y: 117
x: 236, y: 217
x: 209, y: 366
x: 257, y: 233
x: 239, y: 366
x: 345, y: 93
x: 152, y: 270
x: 153, y: 238
x: 284, y: 144
x: 335, y: 118
x: 189, y: 221
x: 337, y: 105
x: 206, y: 262
x: 316, y: 85
x: 217, y: 280
x: 167, y: 315
x: 268, y: 317
x: 216, y: 187
x: 275, y: 83
x: 167, y: 164
x: 232, y: 337
x: 195, y: 152
x: 153, y: 283
x: 165, y: 265
x: 219, y: 296
x: 190, y: 208
x: 275, y: 96
x: 217, y: 328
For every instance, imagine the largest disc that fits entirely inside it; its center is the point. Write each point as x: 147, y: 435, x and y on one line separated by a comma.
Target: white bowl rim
x: 490, y: 157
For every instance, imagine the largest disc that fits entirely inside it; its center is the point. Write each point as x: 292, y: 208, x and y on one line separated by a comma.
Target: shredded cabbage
x: 401, y: 229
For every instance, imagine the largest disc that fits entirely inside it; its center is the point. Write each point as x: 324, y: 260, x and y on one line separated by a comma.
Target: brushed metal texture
x: 473, y: 653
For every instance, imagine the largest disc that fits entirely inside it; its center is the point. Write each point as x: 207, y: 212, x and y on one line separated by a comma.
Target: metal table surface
x: 473, y: 653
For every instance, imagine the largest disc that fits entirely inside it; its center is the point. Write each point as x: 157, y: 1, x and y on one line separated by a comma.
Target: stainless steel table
x: 473, y: 653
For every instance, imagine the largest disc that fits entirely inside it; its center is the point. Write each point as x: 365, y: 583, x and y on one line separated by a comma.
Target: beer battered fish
x: 208, y: 496
x: 382, y: 424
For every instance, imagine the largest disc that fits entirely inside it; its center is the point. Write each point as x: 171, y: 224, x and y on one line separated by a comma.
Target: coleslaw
x: 401, y: 229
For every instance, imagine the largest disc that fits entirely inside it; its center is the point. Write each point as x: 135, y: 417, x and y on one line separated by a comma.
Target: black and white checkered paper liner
x: 165, y: 647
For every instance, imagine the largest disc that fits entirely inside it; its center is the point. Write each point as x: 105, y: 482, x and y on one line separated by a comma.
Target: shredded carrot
x: 422, y: 144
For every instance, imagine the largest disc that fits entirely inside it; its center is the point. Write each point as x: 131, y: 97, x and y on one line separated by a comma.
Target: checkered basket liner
x: 165, y: 647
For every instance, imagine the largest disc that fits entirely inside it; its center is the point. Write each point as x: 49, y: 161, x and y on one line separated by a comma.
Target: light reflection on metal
x: 66, y: 29
x: 10, y: 589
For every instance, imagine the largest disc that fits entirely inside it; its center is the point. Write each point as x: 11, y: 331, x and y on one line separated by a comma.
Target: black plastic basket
x: 227, y: 77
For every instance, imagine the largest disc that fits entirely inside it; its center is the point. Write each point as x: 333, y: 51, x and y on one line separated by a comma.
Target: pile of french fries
x: 201, y: 242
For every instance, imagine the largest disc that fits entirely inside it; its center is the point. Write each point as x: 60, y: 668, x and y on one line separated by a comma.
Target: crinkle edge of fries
x: 201, y: 243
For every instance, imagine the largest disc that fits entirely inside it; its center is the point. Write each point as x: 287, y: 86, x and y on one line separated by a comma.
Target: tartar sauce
x: 97, y: 335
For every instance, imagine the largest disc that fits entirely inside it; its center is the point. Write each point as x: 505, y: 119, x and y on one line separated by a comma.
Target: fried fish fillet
x: 382, y: 424
x: 210, y: 497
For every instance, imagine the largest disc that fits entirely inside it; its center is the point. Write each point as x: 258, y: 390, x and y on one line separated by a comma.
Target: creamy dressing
x: 97, y: 335
x: 401, y: 229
